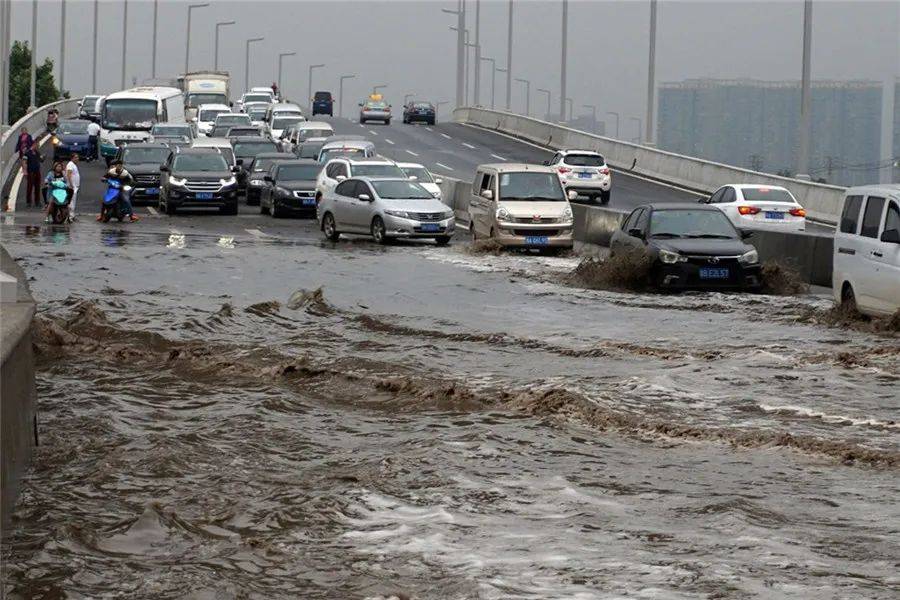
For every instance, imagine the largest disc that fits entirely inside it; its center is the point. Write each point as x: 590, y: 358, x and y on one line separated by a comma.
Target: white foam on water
x: 803, y: 411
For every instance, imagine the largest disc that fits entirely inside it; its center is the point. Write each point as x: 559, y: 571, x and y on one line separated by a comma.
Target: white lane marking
x: 257, y: 233
x: 446, y: 136
x: 152, y: 211
x: 372, y: 132
x: 17, y: 181
x: 498, y: 157
x: 410, y: 152
x: 389, y: 141
x: 428, y: 129
x: 443, y: 166
x: 361, y: 125
x: 469, y: 146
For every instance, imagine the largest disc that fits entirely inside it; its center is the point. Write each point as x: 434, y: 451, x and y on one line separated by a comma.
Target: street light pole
x: 466, y: 68
x: 216, y: 50
x: 548, y: 100
x: 493, y: 77
x: 616, y: 115
x: 153, y: 51
x: 62, y: 47
x: 309, y: 85
x: 247, y: 61
x: 640, y: 129
x: 460, y: 48
x: 565, y: 42
x: 805, y: 96
x: 280, y: 58
x: 509, y: 40
x: 375, y: 88
x: 571, y: 107
x: 341, y: 94
x: 96, y: 42
x: 187, y: 45
x: 651, y: 74
x: 527, y: 95
x: 124, y: 41
x: 476, y: 92
x: 5, y: 14
x: 34, y: 6
x: 593, y: 115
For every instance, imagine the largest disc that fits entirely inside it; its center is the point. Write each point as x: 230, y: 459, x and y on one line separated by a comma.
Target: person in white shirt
x: 73, y: 178
x: 93, y: 140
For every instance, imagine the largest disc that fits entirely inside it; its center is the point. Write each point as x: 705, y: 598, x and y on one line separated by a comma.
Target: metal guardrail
x: 35, y: 121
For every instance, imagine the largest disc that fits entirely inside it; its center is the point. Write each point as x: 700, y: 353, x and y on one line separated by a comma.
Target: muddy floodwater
x: 252, y: 416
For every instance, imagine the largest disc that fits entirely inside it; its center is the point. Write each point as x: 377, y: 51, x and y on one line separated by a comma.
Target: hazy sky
x: 408, y: 44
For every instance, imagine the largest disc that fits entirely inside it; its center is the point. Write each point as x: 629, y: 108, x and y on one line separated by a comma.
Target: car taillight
x: 605, y: 170
x: 798, y: 212
x: 564, y: 169
x: 748, y: 210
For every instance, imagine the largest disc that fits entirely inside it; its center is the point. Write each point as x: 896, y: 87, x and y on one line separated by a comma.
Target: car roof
x: 369, y: 160
x: 679, y: 206
x: 250, y: 138
x: 755, y: 186
x: 345, y: 138
x: 211, y: 142
x: 285, y: 105
x: 151, y: 145
x: 271, y: 155
x: 373, y: 179
x: 195, y: 150
x: 231, y: 114
x: 568, y: 151
x: 887, y: 189
x: 213, y: 106
x: 516, y: 168
x: 314, y: 125
x: 360, y: 144
x: 409, y: 165
x: 300, y: 161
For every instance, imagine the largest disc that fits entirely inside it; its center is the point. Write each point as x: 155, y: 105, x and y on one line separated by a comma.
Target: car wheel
x: 170, y: 210
x: 387, y: 121
x: 230, y: 210
x: 362, y: 121
x: 431, y: 122
x: 604, y: 197
x: 263, y: 209
x: 379, y: 233
x: 443, y: 240
x: 329, y: 228
x: 848, y: 299
x: 472, y: 229
x: 273, y: 210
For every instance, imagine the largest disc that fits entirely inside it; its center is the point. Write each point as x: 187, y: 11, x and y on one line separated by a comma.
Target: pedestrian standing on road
x: 73, y: 179
x: 31, y: 167
x: 23, y: 144
x: 93, y: 130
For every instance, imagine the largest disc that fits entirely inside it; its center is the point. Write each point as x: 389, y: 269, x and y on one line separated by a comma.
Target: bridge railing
x: 35, y: 121
x: 822, y: 202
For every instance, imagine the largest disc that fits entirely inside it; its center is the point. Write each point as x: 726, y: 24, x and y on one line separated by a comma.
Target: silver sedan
x: 386, y: 209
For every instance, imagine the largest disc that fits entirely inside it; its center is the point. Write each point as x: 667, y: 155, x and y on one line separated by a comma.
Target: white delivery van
x: 866, y: 272
x: 204, y: 87
x: 128, y: 116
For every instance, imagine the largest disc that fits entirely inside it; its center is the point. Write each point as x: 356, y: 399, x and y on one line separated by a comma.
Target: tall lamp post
x: 640, y: 129
x: 509, y: 41
x: 341, y: 94
x: 499, y: 70
x: 280, y: 59
x: 651, y: 74
x: 570, y: 105
x: 565, y: 42
x: 616, y: 115
x: 124, y: 41
x: 62, y: 47
x: 247, y: 61
x: 381, y: 86
x: 493, y: 77
x: 309, y: 84
x: 96, y: 43
x: 219, y: 25
x: 34, y: 7
x: 187, y: 45
x: 543, y: 91
x: 527, y: 95
x: 153, y: 48
x: 805, y: 96
x: 593, y: 110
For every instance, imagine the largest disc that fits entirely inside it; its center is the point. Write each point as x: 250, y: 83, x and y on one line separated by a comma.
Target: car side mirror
x: 573, y: 195
x: 365, y: 197
x: 239, y: 162
x: 268, y: 178
x: 635, y: 232
x: 341, y: 177
x: 746, y: 234
x: 891, y: 236
x: 439, y: 181
x: 235, y: 169
x: 487, y: 194
x: 163, y: 169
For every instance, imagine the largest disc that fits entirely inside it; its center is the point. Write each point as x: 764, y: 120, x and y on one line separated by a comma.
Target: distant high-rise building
x: 754, y: 124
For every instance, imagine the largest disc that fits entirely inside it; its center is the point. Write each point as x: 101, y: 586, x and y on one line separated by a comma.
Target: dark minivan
x: 323, y: 104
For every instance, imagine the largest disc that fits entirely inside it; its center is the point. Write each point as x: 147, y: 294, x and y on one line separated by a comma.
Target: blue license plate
x: 714, y: 273
x: 774, y: 215
x: 152, y: 191
x: 309, y: 202
x: 584, y: 175
x: 204, y: 195
x: 430, y: 227
x: 537, y: 240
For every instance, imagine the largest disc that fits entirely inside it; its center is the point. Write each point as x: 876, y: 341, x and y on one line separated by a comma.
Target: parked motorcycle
x: 113, y: 201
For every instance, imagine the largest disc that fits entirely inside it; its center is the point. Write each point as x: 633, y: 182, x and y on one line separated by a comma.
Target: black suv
x: 143, y: 162
x: 198, y: 178
x: 419, y: 111
x: 290, y: 187
x: 257, y: 171
x: 245, y: 150
x: 322, y: 104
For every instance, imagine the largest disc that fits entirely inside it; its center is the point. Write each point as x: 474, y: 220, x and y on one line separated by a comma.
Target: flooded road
x: 259, y: 414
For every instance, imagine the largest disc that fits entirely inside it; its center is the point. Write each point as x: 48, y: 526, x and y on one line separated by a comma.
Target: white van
x: 866, y: 271
x: 128, y: 116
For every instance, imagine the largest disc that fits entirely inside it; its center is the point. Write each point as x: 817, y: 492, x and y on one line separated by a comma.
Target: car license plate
x: 584, y: 175
x: 537, y: 240
x: 774, y: 215
x: 309, y: 202
x: 430, y: 227
x: 152, y: 191
x: 204, y: 195
x: 713, y: 273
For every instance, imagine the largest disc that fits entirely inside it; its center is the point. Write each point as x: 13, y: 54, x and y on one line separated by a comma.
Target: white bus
x: 128, y: 115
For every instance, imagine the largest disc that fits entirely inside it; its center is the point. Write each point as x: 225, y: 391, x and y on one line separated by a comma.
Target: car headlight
x: 449, y: 214
x: 398, y: 213
x: 567, y: 214
x: 503, y: 214
x: 255, y: 182
x: 750, y: 257
x: 436, y: 194
x: 670, y: 258
x: 55, y: 141
x: 179, y: 182
x: 282, y: 191
x: 228, y: 181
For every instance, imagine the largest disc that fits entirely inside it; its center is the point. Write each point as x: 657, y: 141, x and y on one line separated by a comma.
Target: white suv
x: 583, y: 171
x: 866, y: 272
x: 752, y: 206
x: 338, y: 169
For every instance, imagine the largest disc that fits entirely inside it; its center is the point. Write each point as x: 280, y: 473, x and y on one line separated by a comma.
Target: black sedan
x: 290, y: 188
x: 257, y: 171
x: 691, y: 247
x: 143, y: 162
x: 245, y: 150
x: 71, y: 137
x: 423, y: 112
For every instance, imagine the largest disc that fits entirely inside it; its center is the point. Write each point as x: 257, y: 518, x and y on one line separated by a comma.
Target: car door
x: 267, y: 193
x: 342, y: 205
x: 361, y: 211
x: 869, y: 246
x: 480, y: 206
x: 885, y: 257
x: 326, y: 180
x: 634, y: 240
x: 620, y: 239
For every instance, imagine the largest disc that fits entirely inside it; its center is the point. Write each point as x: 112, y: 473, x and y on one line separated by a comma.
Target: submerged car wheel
x: 379, y: 233
x: 848, y: 298
x: 442, y: 240
x: 604, y: 197
x: 329, y: 228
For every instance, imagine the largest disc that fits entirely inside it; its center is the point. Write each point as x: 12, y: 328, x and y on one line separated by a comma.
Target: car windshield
x: 198, y: 99
x: 235, y: 131
x: 323, y: 96
x: 298, y: 172
x: 767, y: 195
x: 335, y: 152
x: 90, y: 102
x: 210, y: 114
x: 219, y: 130
x: 314, y: 133
x: 378, y: 171
x: 691, y: 223
x: 129, y: 113
x: 256, y: 114
x: 284, y: 122
x: 257, y: 98
x: 584, y: 160
x: 233, y: 120
x: 401, y: 190
x: 420, y: 173
x: 245, y: 149
x: 72, y: 128
x: 376, y: 105
x: 135, y: 155
x: 309, y: 150
x: 211, y: 161
x: 263, y: 164
x: 171, y: 130
x: 422, y: 105
x: 524, y: 186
